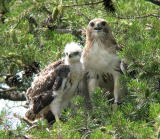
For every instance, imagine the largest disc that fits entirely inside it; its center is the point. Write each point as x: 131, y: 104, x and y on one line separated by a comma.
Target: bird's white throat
x: 99, y: 59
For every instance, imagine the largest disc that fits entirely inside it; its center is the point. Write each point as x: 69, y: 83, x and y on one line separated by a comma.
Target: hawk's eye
x: 73, y: 54
x: 103, y: 23
x: 76, y: 53
x: 92, y: 24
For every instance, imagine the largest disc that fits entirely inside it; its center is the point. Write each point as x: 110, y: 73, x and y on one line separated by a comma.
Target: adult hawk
x: 100, y: 59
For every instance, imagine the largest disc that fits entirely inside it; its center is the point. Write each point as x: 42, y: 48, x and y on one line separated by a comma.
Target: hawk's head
x: 97, y: 28
x: 73, y: 52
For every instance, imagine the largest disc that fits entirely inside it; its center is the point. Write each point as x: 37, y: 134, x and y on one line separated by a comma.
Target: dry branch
x: 12, y: 94
x: 137, y: 17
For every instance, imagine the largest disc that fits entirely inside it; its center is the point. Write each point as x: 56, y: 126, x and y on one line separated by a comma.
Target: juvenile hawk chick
x: 53, y: 87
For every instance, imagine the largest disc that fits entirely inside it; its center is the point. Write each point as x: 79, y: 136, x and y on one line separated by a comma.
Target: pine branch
x: 84, y: 4
x: 137, y: 17
x: 11, y: 94
x: 39, y: 5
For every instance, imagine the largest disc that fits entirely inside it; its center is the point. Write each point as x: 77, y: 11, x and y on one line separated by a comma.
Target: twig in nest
x: 137, y: 17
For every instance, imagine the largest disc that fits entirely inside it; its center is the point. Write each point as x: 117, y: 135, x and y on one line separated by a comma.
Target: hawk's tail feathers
x: 30, y: 115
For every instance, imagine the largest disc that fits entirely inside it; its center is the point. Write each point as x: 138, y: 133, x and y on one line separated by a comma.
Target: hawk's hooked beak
x: 97, y: 28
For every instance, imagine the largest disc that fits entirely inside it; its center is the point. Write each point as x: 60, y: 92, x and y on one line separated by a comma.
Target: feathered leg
x: 57, y: 118
x: 85, y: 91
x: 59, y: 125
x: 119, y: 91
x: 116, y: 89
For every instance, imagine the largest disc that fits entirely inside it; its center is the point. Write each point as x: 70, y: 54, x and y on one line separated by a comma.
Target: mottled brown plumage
x: 41, y: 92
x: 55, y: 85
x: 44, y: 80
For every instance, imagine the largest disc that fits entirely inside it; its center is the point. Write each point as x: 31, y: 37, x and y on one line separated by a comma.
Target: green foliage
x: 28, y: 34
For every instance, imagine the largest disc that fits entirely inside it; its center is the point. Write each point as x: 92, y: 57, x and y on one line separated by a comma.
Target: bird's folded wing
x: 61, y: 73
x: 44, y: 80
x: 41, y: 101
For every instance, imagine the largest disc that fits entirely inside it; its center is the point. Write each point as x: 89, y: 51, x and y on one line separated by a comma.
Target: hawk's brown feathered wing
x: 40, y: 94
x: 44, y: 80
